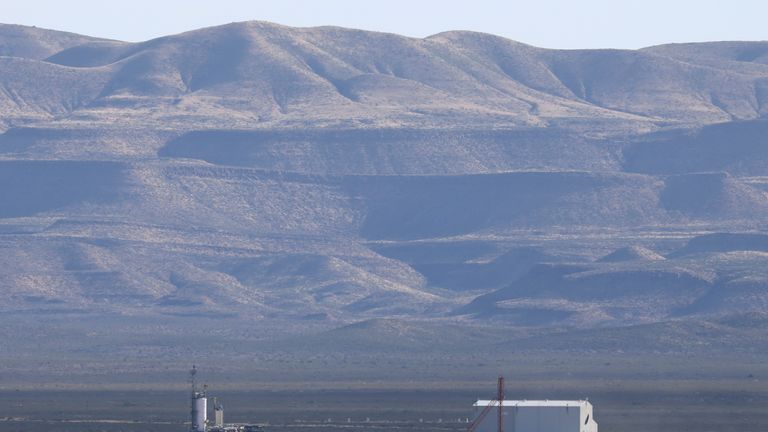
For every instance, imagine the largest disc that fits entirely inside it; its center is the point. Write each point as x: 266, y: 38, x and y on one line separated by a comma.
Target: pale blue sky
x: 546, y: 23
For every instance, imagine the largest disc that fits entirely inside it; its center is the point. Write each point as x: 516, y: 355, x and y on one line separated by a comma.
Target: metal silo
x: 200, y: 413
x: 199, y: 406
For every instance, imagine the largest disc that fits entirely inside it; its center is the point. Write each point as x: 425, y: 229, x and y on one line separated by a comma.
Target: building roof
x: 537, y: 403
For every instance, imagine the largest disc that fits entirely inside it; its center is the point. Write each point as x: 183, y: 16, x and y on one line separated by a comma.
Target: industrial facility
x: 508, y: 415
x: 532, y: 415
x: 199, y: 412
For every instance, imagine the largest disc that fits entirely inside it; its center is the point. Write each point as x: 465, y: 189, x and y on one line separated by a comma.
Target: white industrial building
x: 538, y: 416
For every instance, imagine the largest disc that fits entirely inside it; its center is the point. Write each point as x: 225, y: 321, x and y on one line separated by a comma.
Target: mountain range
x: 331, y: 184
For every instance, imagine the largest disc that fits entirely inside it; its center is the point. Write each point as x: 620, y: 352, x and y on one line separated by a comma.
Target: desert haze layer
x: 255, y: 191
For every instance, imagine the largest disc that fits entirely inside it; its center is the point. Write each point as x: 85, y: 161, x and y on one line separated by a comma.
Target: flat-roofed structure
x: 538, y: 416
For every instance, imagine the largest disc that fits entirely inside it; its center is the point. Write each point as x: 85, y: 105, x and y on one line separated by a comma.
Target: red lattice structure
x: 498, y: 402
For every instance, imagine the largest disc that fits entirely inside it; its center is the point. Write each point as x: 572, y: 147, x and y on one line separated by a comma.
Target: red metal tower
x: 499, y: 401
x: 500, y: 398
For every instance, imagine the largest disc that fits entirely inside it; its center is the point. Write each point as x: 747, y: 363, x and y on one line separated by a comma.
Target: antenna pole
x: 488, y: 408
x: 192, y: 374
x: 193, y: 395
x: 500, y: 398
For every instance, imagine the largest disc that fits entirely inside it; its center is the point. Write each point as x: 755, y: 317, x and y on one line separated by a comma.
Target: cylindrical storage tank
x: 201, y: 411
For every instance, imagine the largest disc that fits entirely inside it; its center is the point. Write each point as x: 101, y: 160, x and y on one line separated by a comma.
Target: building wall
x: 218, y: 417
x: 541, y: 419
x: 587, y: 420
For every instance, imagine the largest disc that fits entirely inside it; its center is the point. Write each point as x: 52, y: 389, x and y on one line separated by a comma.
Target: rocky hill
x: 339, y: 183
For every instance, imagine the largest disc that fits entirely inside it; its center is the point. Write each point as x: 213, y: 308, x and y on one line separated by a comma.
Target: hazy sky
x: 546, y: 23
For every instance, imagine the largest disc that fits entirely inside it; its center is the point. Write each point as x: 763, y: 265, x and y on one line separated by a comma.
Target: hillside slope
x: 302, y: 180
x: 264, y: 75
